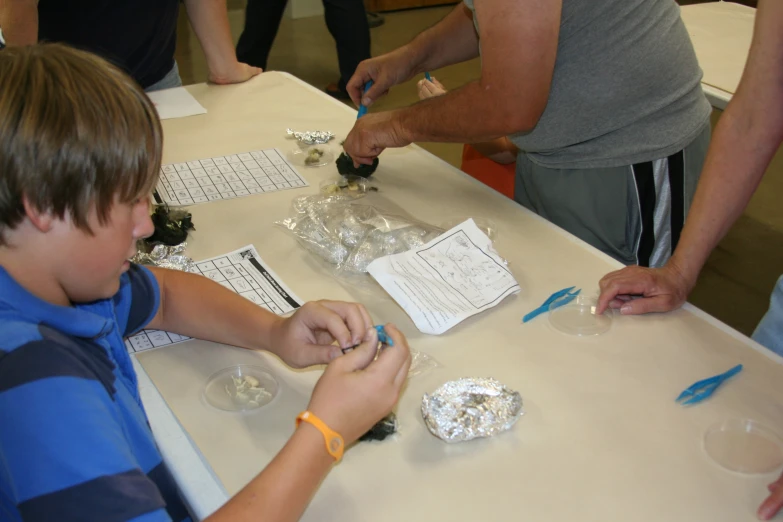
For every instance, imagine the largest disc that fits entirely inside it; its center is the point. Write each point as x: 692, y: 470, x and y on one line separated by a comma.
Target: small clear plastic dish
x: 744, y: 446
x: 576, y: 316
x: 243, y: 387
x: 311, y: 156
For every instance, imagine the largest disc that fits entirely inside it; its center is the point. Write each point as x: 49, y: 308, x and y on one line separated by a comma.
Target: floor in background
x: 734, y: 286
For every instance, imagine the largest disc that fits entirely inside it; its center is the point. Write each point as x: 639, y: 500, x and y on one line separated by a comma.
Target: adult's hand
x: 371, y: 134
x: 638, y: 290
x: 774, y: 501
x: 385, y: 71
x: 236, y: 72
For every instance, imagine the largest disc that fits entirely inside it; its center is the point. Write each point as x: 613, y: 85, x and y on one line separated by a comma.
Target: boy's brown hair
x: 76, y: 134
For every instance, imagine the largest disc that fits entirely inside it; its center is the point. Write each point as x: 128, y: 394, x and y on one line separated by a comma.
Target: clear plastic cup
x: 576, y: 316
x: 744, y: 446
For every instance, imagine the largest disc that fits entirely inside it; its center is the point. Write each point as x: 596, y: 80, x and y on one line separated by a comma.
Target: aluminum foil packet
x: 469, y: 408
x: 315, y: 137
x: 163, y: 256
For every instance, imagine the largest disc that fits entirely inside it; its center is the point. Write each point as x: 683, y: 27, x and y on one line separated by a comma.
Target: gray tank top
x: 626, y: 87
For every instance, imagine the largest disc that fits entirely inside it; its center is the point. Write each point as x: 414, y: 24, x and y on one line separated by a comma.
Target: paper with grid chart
x: 241, y: 271
x: 226, y: 177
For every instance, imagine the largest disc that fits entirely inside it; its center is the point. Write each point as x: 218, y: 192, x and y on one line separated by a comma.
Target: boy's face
x: 92, y: 263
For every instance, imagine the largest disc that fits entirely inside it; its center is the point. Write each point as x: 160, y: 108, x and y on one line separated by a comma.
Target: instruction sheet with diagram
x: 456, y: 275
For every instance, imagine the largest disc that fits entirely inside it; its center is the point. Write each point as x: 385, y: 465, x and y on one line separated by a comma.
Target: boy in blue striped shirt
x: 80, y: 150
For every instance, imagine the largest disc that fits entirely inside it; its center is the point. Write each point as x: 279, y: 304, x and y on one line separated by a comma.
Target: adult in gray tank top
x: 602, y: 98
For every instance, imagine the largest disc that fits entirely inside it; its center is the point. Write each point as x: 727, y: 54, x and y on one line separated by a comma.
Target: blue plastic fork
x: 552, y: 298
x: 700, y: 390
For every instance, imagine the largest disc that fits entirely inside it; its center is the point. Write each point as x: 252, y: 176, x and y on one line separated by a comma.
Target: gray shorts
x: 633, y: 213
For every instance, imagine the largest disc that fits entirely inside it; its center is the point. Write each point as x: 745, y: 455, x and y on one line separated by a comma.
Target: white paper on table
x: 456, y: 275
x: 175, y: 103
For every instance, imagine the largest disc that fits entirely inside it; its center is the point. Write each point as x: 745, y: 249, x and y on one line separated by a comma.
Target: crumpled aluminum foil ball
x: 163, y: 256
x: 469, y: 408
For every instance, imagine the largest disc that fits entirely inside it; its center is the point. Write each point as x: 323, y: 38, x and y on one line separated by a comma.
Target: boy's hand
x: 357, y: 390
x: 306, y: 338
x: 430, y: 89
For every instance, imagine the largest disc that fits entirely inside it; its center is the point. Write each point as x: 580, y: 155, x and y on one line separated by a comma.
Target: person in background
x: 139, y: 36
x: 75, y: 442
x: 602, y: 98
x: 747, y: 136
x: 347, y: 23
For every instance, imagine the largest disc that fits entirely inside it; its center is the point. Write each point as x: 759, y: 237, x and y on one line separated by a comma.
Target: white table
x: 602, y: 438
x: 721, y: 33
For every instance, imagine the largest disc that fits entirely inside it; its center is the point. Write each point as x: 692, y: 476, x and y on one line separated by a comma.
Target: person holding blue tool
x: 602, y: 98
x: 746, y: 138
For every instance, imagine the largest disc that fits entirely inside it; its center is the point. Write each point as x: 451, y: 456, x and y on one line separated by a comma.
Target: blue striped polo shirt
x: 75, y: 443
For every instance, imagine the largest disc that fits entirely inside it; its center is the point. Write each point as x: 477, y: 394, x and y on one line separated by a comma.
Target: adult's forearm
x: 471, y: 114
x: 19, y: 21
x: 209, y: 19
x: 452, y: 40
x: 746, y: 138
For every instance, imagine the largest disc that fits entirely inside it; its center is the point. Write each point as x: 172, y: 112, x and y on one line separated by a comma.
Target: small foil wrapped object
x: 469, y: 408
x: 171, y: 257
x: 315, y: 137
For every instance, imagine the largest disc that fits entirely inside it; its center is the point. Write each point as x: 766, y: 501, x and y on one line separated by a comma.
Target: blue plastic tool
x: 700, y: 390
x: 383, y: 338
x: 362, y: 108
x: 552, y: 298
x: 427, y: 76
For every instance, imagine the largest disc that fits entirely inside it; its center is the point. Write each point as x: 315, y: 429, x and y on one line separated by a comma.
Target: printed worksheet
x: 241, y: 271
x: 454, y: 276
x: 226, y: 177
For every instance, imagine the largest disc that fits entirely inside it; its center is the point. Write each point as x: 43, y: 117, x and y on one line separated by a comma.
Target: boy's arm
x: 746, y: 138
x: 209, y: 19
x: 196, y: 306
x: 19, y: 21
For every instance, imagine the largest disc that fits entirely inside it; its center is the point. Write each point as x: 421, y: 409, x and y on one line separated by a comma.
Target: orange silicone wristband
x: 334, y: 441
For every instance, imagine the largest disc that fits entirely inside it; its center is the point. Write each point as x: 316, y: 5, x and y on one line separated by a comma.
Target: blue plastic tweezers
x: 700, y: 390
x: 552, y: 298
x: 362, y: 108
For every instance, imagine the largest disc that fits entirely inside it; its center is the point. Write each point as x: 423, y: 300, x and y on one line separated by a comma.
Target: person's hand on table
x: 307, y: 337
x: 385, y: 71
x: 773, y: 502
x: 357, y: 390
x: 235, y: 72
x: 638, y: 290
x: 430, y: 88
x: 371, y: 134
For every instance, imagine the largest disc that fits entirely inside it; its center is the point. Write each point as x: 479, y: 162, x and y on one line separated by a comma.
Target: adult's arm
x: 209, y: 19
x: 518, y: 50
x: 745, y: 140
x: 19, y: 21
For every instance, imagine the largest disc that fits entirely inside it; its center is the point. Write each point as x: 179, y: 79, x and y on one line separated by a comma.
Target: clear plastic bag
x: 349, y: 234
